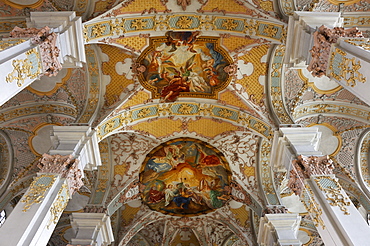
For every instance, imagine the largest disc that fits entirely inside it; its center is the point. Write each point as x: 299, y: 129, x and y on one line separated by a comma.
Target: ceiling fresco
x: 184, y: 64
x: 185, y: 177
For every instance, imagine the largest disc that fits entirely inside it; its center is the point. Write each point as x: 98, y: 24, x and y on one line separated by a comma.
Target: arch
x: 7, y: 161
x: 362, y: 161
x: 137, y: 114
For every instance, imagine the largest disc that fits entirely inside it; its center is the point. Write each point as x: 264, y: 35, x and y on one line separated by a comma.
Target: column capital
x: 303, y: 167
x: 323, y: 39
x: 46, y: 39
x: 66, y: 166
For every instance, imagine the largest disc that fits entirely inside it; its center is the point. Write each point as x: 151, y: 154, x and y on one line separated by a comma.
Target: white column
x: 293, y: 141
x: 301, y: 27
x: 335, y: 217
x: 34, y: 218
x: 52, y: 40
x: 279, y: 229
x: 69, y: 26
x: 343, y: 223
x: 91, y: 229
x: 349, y: 63
x: 20, y: 65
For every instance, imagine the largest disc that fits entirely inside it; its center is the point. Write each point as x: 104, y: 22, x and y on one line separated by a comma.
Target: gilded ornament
x: 118, y: 26
x: 275, y: 92
x: 185, y: 108
x: 259, y: 127
x: 162, y: 22
x: 139, y: 24
x: 184, y: 22
x: 312, y: 207
x: 267, y: 5
x: 37, y: 190
x: 333, y: 192
x: 59, y: 205
x: 143, y: 112
x: 4, y: 44
x: 266, y: 173
x: 229, y: 24
x: 349, y: 68
x: 225, y: 113
x: 23, y: 69
x: 350, y: 71
x: 288, y: 6
x: 270, y: 30
x: 207, y: 22
x: 363, y: 43
x: 98, y: 30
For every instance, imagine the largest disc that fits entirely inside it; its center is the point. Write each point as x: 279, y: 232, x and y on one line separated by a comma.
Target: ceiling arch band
x: 183, y: 109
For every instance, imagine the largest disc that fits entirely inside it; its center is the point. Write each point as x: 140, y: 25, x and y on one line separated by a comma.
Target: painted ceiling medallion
x: 184, y: 64
x: 185, y: 177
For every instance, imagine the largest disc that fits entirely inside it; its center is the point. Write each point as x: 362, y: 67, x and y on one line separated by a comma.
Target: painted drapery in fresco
x: 185, y: 177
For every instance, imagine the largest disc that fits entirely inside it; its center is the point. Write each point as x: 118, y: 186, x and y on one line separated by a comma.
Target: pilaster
x: 79, y: 141
x: 51, y: 41
x: 348, y: 65
x: 75, y: 148
x: 300, y: 40
x: 34, y: 218
x: 335, y: 217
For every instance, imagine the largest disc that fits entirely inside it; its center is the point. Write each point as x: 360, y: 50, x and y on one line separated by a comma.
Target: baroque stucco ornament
x: 304, y: 167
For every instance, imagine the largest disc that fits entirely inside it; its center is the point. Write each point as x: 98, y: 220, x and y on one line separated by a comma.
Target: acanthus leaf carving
x: 323, y: 38
x: 304, y: 167
x: 67, y: 166
x: 46, y: 40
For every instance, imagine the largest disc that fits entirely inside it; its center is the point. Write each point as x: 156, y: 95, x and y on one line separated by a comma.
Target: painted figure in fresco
x: 182, y: 63
x: 176, y: 85
x: 155, y: 195
x: 170, y: 192
x: 157, y: 60
x: 183, y: 199
x: 159, y: 164
x: 194, y: 194
x: 175, y: 39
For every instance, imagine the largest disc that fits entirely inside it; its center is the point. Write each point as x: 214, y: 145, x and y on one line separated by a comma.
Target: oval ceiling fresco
x: 185, y: 177
x: 184, y: 64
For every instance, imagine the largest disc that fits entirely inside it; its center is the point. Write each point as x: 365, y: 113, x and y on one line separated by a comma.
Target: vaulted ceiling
x: 112, y: 93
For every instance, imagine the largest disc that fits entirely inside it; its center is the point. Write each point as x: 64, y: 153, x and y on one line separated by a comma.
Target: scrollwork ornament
x: 333, y: 193
x: 37, y: 190
x: 59, y: 205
